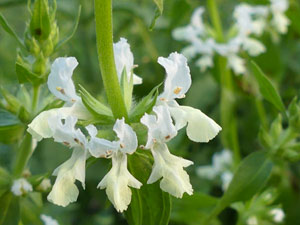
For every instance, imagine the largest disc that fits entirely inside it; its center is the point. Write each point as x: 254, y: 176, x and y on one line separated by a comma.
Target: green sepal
x: 9, y: 209
x: 144, y: 106
x: 66, y: 39
x: 40, y: 23
x: 36, y: 180
x: 11, y: 128
x: 267, y: 89
x: 126, y: 88
x: 149, y: 204
x: 158, y: 12
x: 12, y: 103
x: 101, y: 112
x: 10, y: 31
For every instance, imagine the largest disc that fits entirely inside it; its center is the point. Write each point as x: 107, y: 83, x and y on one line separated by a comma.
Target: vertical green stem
x: 24, y: 153
x: 227, y: 106
x: 36, y: 91
x: 104, y: 35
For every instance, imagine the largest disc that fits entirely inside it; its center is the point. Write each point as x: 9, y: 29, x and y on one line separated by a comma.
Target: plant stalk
x: 104, y: 36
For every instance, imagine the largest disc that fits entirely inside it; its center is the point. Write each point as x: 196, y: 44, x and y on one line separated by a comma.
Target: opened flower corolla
x: 118, y: 180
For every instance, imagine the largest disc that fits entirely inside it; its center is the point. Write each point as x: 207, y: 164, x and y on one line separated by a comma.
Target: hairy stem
x: 104, y: 35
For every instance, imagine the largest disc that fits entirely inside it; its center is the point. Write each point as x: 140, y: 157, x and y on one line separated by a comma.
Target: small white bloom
x: 226, y: 178
x: 200, y: 128
x: 253, y: 46
x: 48, y: 220
x: 45, y: 185
x: 280, y: 20
x: 237, y: 64
x: 205, y: 62
x: 64, y: 190
x: 124, y: 60
x: 175, y: 179
x: 118, y: 180
x: 278, y: 215
x: 20, y: 187
x: 60, y: 81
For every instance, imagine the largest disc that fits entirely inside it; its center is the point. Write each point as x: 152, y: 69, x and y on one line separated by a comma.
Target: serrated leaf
x: 9, y: 209
x: 99, y: 110
x: 10, y: 31
x: 11, y: 128
x: 266, y: 88
x: 66, y: 39
x: 149, y: 205
x: 144, y: 106
x: 249, y: 178
x: 40, y: 24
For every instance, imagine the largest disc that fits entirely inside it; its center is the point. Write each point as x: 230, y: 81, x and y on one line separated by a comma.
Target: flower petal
x: 127, y: 137
x: 60, y: 81
x: 64, y: 190
x: 124, y: 60
x: 178, y: 79
x: 175, y: 179
x: 200, y: 128
x: 117, y: 182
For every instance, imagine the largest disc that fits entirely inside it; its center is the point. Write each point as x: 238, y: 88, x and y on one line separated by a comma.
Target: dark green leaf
x: 11, y: 128
x: 149, y: 205
x: 266, y: 88
x: 144, y: 106
x: 10, y: 31
x: 99, y: 110
x: 66, y: 39
x: 251, y: 175
x: 40, y: 24
x: 9, y: 209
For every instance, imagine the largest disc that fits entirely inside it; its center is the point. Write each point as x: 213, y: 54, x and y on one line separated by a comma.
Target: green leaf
x: 191, y: 209
x: 144, y: 106
x: 99, y: 110
x: 26, y: 76
x: 10, y: 31
x: 11, y: 128
x: 266, y: 88
x: 31, y: 209
x: 158, y: 12
x: 5, y: 181
x: 9, y: 209
x: 251, y: 175
x: 149, y: 205
x: 66, y: 39
x: 126, y: 88
x: 13, y: 104
x: 40, y: 24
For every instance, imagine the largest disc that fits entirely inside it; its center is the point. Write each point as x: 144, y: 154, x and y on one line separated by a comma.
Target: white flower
x: 62, y: 86
x: 237, y: 64
x: 48, y: 220
x: 278, y: 215
x: 252, y: 221
x: 118, y: 180
x: 45, y: 185
x: 64, y: 190
x: 60, y: 79
x: 200, y: 128
x: 221, y: 167
x: 253, y: 46
x: 124, y: 60
x: 205, y: 62
x: 20, y: 187
x: 175, y: 179
x: 280, y: 20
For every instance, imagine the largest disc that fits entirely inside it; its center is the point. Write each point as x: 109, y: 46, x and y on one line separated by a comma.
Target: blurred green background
x: 132, y: 18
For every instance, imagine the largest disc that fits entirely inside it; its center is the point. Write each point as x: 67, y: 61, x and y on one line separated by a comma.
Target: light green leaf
x: 66, y: 39
x: 158, y: 12
x: 144, y: 106
x: 126, y: 88
x: 40, y: 24
x: 149, y: 205
x: 10, y: 31
x: 11, y: 128
x: 251, y: 175
x: 266, y: 88
x: 26, y: 76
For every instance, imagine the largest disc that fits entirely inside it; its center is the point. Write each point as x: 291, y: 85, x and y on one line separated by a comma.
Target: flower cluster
x: 250, y: 23
x: 162, y: 124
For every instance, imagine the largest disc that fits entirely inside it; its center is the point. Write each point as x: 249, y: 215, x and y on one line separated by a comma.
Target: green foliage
x: 9, y: 209
x: 266, y: 88
x: 149, y: 205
